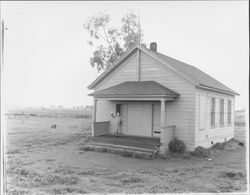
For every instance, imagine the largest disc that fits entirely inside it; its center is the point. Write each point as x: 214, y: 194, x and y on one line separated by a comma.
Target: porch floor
x: 127, y: 141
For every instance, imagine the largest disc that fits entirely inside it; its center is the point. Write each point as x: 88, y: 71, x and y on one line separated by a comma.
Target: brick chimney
x: 153, y: 46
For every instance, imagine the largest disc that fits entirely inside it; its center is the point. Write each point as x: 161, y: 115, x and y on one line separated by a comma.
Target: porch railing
x: 101, y: 128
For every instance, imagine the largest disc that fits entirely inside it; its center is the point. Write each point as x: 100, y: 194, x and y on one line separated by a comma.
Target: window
x: 202, y: 112
x: 221, y: 111
x: 229, y: 112
x: 212, y: 114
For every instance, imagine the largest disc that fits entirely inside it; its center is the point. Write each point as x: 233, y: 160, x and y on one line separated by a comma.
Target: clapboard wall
x: 205, y: 134
x: 180, y: 112
x: 104, y: 109
x: 125, y: 72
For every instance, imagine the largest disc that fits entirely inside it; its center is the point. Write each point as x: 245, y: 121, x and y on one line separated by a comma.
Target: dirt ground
x: 42, y: 160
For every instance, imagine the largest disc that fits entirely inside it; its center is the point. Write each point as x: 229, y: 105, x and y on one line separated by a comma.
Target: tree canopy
x: 109, y: 42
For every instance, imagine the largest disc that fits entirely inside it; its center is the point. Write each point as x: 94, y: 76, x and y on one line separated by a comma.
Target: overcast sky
x: 47, y: 56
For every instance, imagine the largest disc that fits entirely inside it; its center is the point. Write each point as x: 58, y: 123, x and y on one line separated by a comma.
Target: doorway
x: 140, y: 119
x: 156, y: 118
x: 123, y: 111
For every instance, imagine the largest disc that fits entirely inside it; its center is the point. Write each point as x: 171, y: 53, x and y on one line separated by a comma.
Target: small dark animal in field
x: 53, y: 126
x: 241, y: 144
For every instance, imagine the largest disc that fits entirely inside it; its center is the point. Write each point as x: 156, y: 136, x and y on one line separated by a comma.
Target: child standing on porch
x: 117, y: 122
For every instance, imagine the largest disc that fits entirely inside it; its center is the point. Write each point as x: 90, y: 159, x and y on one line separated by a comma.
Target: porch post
x: 163, y: 114
x: 163, y: 138
x: 94, y: 117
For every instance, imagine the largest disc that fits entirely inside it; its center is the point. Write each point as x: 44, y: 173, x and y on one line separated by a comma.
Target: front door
x: 139, y: 119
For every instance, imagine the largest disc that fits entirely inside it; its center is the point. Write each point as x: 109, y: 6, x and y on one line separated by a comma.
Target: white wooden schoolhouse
x: 158, y: 96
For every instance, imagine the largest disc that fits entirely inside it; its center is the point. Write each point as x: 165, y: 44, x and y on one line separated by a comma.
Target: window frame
x: 222, y: 112
x: 212, y: 112
x: 229, y: 112
x: 202, y: 127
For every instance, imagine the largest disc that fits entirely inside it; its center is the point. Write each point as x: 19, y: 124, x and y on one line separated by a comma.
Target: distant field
x: 240, y: 126
x: 240, y: 118
x: 60, y: 113
x: 240, y: 133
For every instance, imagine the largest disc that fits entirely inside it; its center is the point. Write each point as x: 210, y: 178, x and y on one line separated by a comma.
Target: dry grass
x: 232, y: 175
x: 44, y: 161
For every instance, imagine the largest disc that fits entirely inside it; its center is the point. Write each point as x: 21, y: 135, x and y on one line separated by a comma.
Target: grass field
x: 41, y: 160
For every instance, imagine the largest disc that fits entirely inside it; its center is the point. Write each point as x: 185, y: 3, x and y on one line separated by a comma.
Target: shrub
x: 218, y: 146
x: 86, y: 172
x: 84, y: 148
x: 131, y: 180
x: 127, y: 154
x: 201, y: 152
x: 140, y: 155
x: 232, y: 175
x: 57, y: 179
x: 177, y: 146
x: 231, y: 144
x: 187, y: 156
x: 23, y: 172
x: 13, y: 151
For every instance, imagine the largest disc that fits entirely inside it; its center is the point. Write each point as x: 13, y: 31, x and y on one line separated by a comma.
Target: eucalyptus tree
x: 109, y: 42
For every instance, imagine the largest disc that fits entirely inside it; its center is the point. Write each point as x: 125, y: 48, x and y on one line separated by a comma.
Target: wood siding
x: 101, y: 128
x: 125, y: 72
x: 212, y: 134
x: 180, y: 112
x: 140, y: 119
x: 104, y: 109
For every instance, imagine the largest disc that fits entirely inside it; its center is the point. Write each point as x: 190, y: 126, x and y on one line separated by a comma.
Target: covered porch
x: 132, y: 142
x: 143, y: 113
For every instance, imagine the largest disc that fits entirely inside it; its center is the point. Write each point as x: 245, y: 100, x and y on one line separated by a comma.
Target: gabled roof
x: 200, y: 77
x: 190, y: 73
x: 135, y: 88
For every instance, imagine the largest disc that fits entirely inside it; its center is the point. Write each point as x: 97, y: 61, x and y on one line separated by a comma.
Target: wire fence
x: 49, y: 115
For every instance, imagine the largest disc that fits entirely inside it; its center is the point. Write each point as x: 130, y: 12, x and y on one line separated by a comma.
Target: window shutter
x: 221, y: 111
x: 212, y: 111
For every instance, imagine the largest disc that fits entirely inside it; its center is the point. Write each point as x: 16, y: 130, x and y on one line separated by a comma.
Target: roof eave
x: 133, y: 96
x: 217, y: 90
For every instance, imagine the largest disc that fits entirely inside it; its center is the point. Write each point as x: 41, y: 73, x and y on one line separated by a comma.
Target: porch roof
x: 136, y: 89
